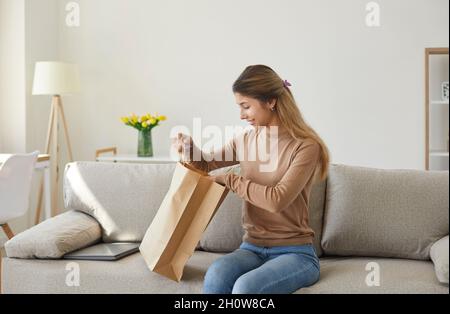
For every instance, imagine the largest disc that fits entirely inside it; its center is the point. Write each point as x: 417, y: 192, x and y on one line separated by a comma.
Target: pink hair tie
x: 286, y: 83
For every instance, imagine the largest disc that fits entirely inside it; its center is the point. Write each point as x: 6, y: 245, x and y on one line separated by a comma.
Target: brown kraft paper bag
x: 182, y: 217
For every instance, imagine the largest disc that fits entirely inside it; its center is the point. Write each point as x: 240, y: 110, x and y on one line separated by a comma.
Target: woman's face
x: 256, y: 113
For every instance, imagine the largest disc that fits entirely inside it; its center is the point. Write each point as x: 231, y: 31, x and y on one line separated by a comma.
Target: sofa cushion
x: 224, y: 232
x: 55, y: 237
x: 439, y: 256
x: 390, y: 213
x: 131, y: 275
x: 127, y: 275
x: 122, y: 197
x: 359, y: 275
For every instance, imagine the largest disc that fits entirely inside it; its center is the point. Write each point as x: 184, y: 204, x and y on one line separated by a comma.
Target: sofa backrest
x: 389, y: 213
x: 124, y: 198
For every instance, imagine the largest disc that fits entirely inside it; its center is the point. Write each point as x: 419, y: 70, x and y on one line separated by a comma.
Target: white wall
x: 41, y: 38
x: 28, y: 33
x: 42, y: 43
x: 12, y: 85
x: 361, y: 88
x: 12, y: 76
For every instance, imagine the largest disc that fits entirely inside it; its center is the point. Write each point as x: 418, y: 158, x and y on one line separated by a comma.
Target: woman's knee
x: 217, y: 278
x: 267, y: 279
x: 217, y: 269
x: 246, y: 285
x: 224, y: 271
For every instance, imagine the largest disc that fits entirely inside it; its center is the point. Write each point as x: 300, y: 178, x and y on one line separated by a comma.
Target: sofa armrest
x: 439, y: 256
x: 55, y: 237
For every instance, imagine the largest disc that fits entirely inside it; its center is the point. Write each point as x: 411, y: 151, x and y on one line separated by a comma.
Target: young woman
x: 277, y: 255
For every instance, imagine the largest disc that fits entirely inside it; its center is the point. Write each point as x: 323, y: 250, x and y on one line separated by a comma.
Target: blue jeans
x: 255, y: 269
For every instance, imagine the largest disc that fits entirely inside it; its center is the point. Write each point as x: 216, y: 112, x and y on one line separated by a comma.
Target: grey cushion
x: 390, y: 213
x: 348, y: 275
x: 127, y: 275
x: 224, y: 233
x: 131, y: 275
x: 122, y: 197
x: 439, y: 256
x: 55, y: 237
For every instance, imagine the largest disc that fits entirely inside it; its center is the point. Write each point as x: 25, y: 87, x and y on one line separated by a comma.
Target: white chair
x: 15, y: 185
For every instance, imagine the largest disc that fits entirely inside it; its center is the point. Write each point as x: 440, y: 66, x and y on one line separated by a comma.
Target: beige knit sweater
x: 274, y: 184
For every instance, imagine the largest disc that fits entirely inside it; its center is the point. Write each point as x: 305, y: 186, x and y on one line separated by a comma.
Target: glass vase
x: 145, y: 145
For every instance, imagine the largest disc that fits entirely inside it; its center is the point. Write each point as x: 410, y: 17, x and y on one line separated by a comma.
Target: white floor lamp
x: 55, y: 78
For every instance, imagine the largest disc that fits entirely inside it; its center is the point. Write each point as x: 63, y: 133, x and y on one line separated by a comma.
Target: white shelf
x: 437, y: 153
x: 437, y: 122
x: 439, y: 102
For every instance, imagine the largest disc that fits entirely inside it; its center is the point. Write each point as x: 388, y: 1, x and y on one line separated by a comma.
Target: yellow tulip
x: 134, y: 119
x: 144, y: 118
x: 144, y: 124
x: 125, y: 119
x: 152, y: 121
x: 162, y: 118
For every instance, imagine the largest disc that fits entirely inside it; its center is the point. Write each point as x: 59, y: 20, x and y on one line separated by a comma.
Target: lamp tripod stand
x: 52, y: 148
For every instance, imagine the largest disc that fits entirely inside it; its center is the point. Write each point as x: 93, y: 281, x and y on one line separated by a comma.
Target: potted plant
x: 144, y: 124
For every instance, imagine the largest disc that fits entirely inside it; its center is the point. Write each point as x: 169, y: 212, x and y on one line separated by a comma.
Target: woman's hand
x: 183, y: 145
x: 218, y: 178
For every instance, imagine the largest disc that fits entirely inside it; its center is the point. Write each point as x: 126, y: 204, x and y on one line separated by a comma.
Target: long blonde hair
x: 265, y: 85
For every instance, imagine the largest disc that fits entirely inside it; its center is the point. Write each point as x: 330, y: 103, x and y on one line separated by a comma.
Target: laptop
x: 104, y: 251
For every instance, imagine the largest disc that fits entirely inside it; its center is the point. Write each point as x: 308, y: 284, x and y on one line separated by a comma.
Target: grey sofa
x: 377, y: 231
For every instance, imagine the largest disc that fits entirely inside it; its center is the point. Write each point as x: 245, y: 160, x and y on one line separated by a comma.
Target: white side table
x: 135, y: 159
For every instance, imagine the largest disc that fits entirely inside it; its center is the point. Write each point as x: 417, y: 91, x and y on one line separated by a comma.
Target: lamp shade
x: 55, y: 78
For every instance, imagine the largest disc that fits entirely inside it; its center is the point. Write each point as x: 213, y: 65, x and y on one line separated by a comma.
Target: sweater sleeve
x: 276, y: 198
x: 224, y: 157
